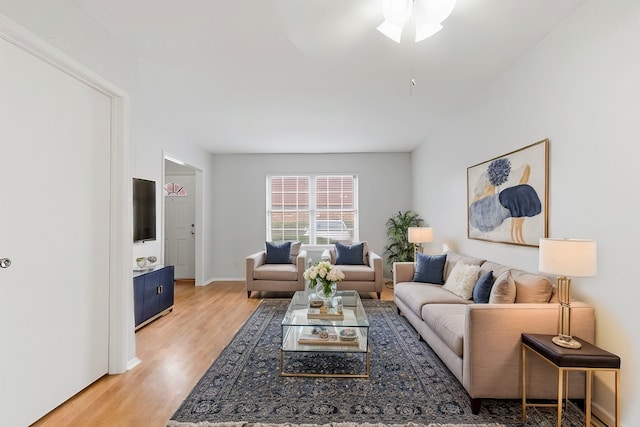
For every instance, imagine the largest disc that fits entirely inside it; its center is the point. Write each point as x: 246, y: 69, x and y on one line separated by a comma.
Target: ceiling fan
x: 333, y: 27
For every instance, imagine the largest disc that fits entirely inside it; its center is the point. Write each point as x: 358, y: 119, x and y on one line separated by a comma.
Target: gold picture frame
x: 507, y: 197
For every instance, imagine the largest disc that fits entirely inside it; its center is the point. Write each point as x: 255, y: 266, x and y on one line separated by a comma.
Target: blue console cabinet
x: 152, y: 295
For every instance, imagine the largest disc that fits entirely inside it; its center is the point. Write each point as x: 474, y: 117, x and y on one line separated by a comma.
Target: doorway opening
x: 182, y: 219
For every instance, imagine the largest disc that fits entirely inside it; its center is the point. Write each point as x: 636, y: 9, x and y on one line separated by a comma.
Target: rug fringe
x: 245, y: 424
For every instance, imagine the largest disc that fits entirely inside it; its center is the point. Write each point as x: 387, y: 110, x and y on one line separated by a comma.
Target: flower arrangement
x: 325, y: 273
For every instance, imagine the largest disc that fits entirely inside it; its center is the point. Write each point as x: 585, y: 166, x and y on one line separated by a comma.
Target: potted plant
x: 399, y: 249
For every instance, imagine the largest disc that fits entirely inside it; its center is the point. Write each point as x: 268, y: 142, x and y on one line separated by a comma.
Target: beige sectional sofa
x: 480, y: 342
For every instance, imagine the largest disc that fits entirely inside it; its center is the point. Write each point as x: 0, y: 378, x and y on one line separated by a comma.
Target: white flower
x: 335, y: 275
x: 311, y: 273
x: 323, y: 272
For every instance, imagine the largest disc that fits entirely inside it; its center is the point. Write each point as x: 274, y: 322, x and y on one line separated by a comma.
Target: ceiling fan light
x: 426, y: 30
x: 397, y: 11
x: 427, y: 17
x: 435, y: 11
x: 389, y: 29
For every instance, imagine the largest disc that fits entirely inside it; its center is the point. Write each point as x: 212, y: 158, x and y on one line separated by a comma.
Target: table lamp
x: 567, y: 257
x: 418, y: 236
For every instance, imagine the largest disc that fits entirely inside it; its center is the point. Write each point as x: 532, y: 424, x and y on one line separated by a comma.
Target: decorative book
x: 328, y: 314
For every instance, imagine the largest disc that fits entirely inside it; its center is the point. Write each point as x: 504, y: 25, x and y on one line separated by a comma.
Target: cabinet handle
x: 160, y: 289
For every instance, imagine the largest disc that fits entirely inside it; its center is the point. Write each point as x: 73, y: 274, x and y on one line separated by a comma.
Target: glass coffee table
x: 307, y: 329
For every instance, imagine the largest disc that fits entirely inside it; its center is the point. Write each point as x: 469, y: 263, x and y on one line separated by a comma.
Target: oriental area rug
x: 408, y: 384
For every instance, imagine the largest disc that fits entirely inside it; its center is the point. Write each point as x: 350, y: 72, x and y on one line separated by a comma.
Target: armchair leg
x: 248, y: 294
x: 379, y: 293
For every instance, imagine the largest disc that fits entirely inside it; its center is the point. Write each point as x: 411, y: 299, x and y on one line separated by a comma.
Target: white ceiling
x: 304, y: 76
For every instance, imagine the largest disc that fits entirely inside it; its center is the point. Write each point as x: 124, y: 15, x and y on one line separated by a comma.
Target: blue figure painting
x: 490, y: 209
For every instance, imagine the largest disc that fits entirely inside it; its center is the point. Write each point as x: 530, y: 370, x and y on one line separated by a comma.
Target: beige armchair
x: 276, y: 277
x: 366, y: 277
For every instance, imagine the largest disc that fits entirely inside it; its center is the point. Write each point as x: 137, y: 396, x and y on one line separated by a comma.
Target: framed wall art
x: 507, y: 196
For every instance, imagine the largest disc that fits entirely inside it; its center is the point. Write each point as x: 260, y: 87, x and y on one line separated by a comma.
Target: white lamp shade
x: 420, y: 234
x: 568, y: 257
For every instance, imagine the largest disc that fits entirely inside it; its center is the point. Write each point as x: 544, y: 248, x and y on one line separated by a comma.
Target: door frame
x: 121, y: 329
x: 198, y: 194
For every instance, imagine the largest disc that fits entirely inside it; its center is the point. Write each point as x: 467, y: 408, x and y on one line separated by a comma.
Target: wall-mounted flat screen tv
x: 144, y: 210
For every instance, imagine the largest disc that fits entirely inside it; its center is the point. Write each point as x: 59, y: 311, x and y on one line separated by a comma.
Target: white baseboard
x: 133, y: 363
x: 601, y: 417
x: 223, y: 279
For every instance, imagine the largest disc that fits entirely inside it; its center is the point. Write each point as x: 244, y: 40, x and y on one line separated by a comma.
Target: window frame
x: 313, y: 210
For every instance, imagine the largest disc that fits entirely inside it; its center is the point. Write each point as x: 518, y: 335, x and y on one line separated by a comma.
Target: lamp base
x: 566, y: 342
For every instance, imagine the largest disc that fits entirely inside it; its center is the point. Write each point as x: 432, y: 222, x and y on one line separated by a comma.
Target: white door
x: 180, y: 230
x: 54, y: 226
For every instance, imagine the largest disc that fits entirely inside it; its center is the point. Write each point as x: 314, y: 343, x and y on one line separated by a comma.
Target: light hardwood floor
x: 175, y: 351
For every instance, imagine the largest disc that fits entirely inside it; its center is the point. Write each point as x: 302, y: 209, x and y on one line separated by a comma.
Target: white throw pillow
x: 462, y: 279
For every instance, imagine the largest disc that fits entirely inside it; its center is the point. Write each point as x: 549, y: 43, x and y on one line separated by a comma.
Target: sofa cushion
x: 447, y: 321
x: 430, y: 268
x: 461, y: 280
x: 357, y: 273
x: 278, y: 253
x: 415, y: 295
x: 503, y: 290
x: 532, y: 288
x: 497, y: 269
x: 453, y: 258
x: 349, y: 254
x: 482, y: 288
x: 295, y: 251
x: 276, y: 272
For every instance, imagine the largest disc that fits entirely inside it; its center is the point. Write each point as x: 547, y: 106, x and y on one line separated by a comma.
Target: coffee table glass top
x: 349, y: 334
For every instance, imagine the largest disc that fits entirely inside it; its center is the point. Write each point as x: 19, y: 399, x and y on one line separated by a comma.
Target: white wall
x: 384, y: 184
x: 580, y: 87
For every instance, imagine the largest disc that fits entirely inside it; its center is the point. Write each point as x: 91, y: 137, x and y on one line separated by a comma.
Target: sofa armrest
x: 492, y: 338
x: 403, y: 272
x: 301, y: 262
x: 375, y: 262
x: 256, y: 260
x: 252, y: 262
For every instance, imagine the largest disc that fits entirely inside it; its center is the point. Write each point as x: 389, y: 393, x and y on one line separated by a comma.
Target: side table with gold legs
x: 589, y: 359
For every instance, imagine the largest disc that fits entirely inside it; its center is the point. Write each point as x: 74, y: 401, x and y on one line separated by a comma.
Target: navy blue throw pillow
x: 278, y: 253
x: 430, y: 269
x: 482, y: 288
x: 350, y: 254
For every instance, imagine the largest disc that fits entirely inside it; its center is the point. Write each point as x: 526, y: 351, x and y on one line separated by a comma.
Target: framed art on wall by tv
x: 507, y: 196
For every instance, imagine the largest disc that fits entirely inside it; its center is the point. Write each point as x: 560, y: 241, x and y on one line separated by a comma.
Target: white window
x: 314, y: 209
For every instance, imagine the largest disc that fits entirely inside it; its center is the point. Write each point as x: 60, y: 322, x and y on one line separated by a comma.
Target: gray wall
x: 239, y: 192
